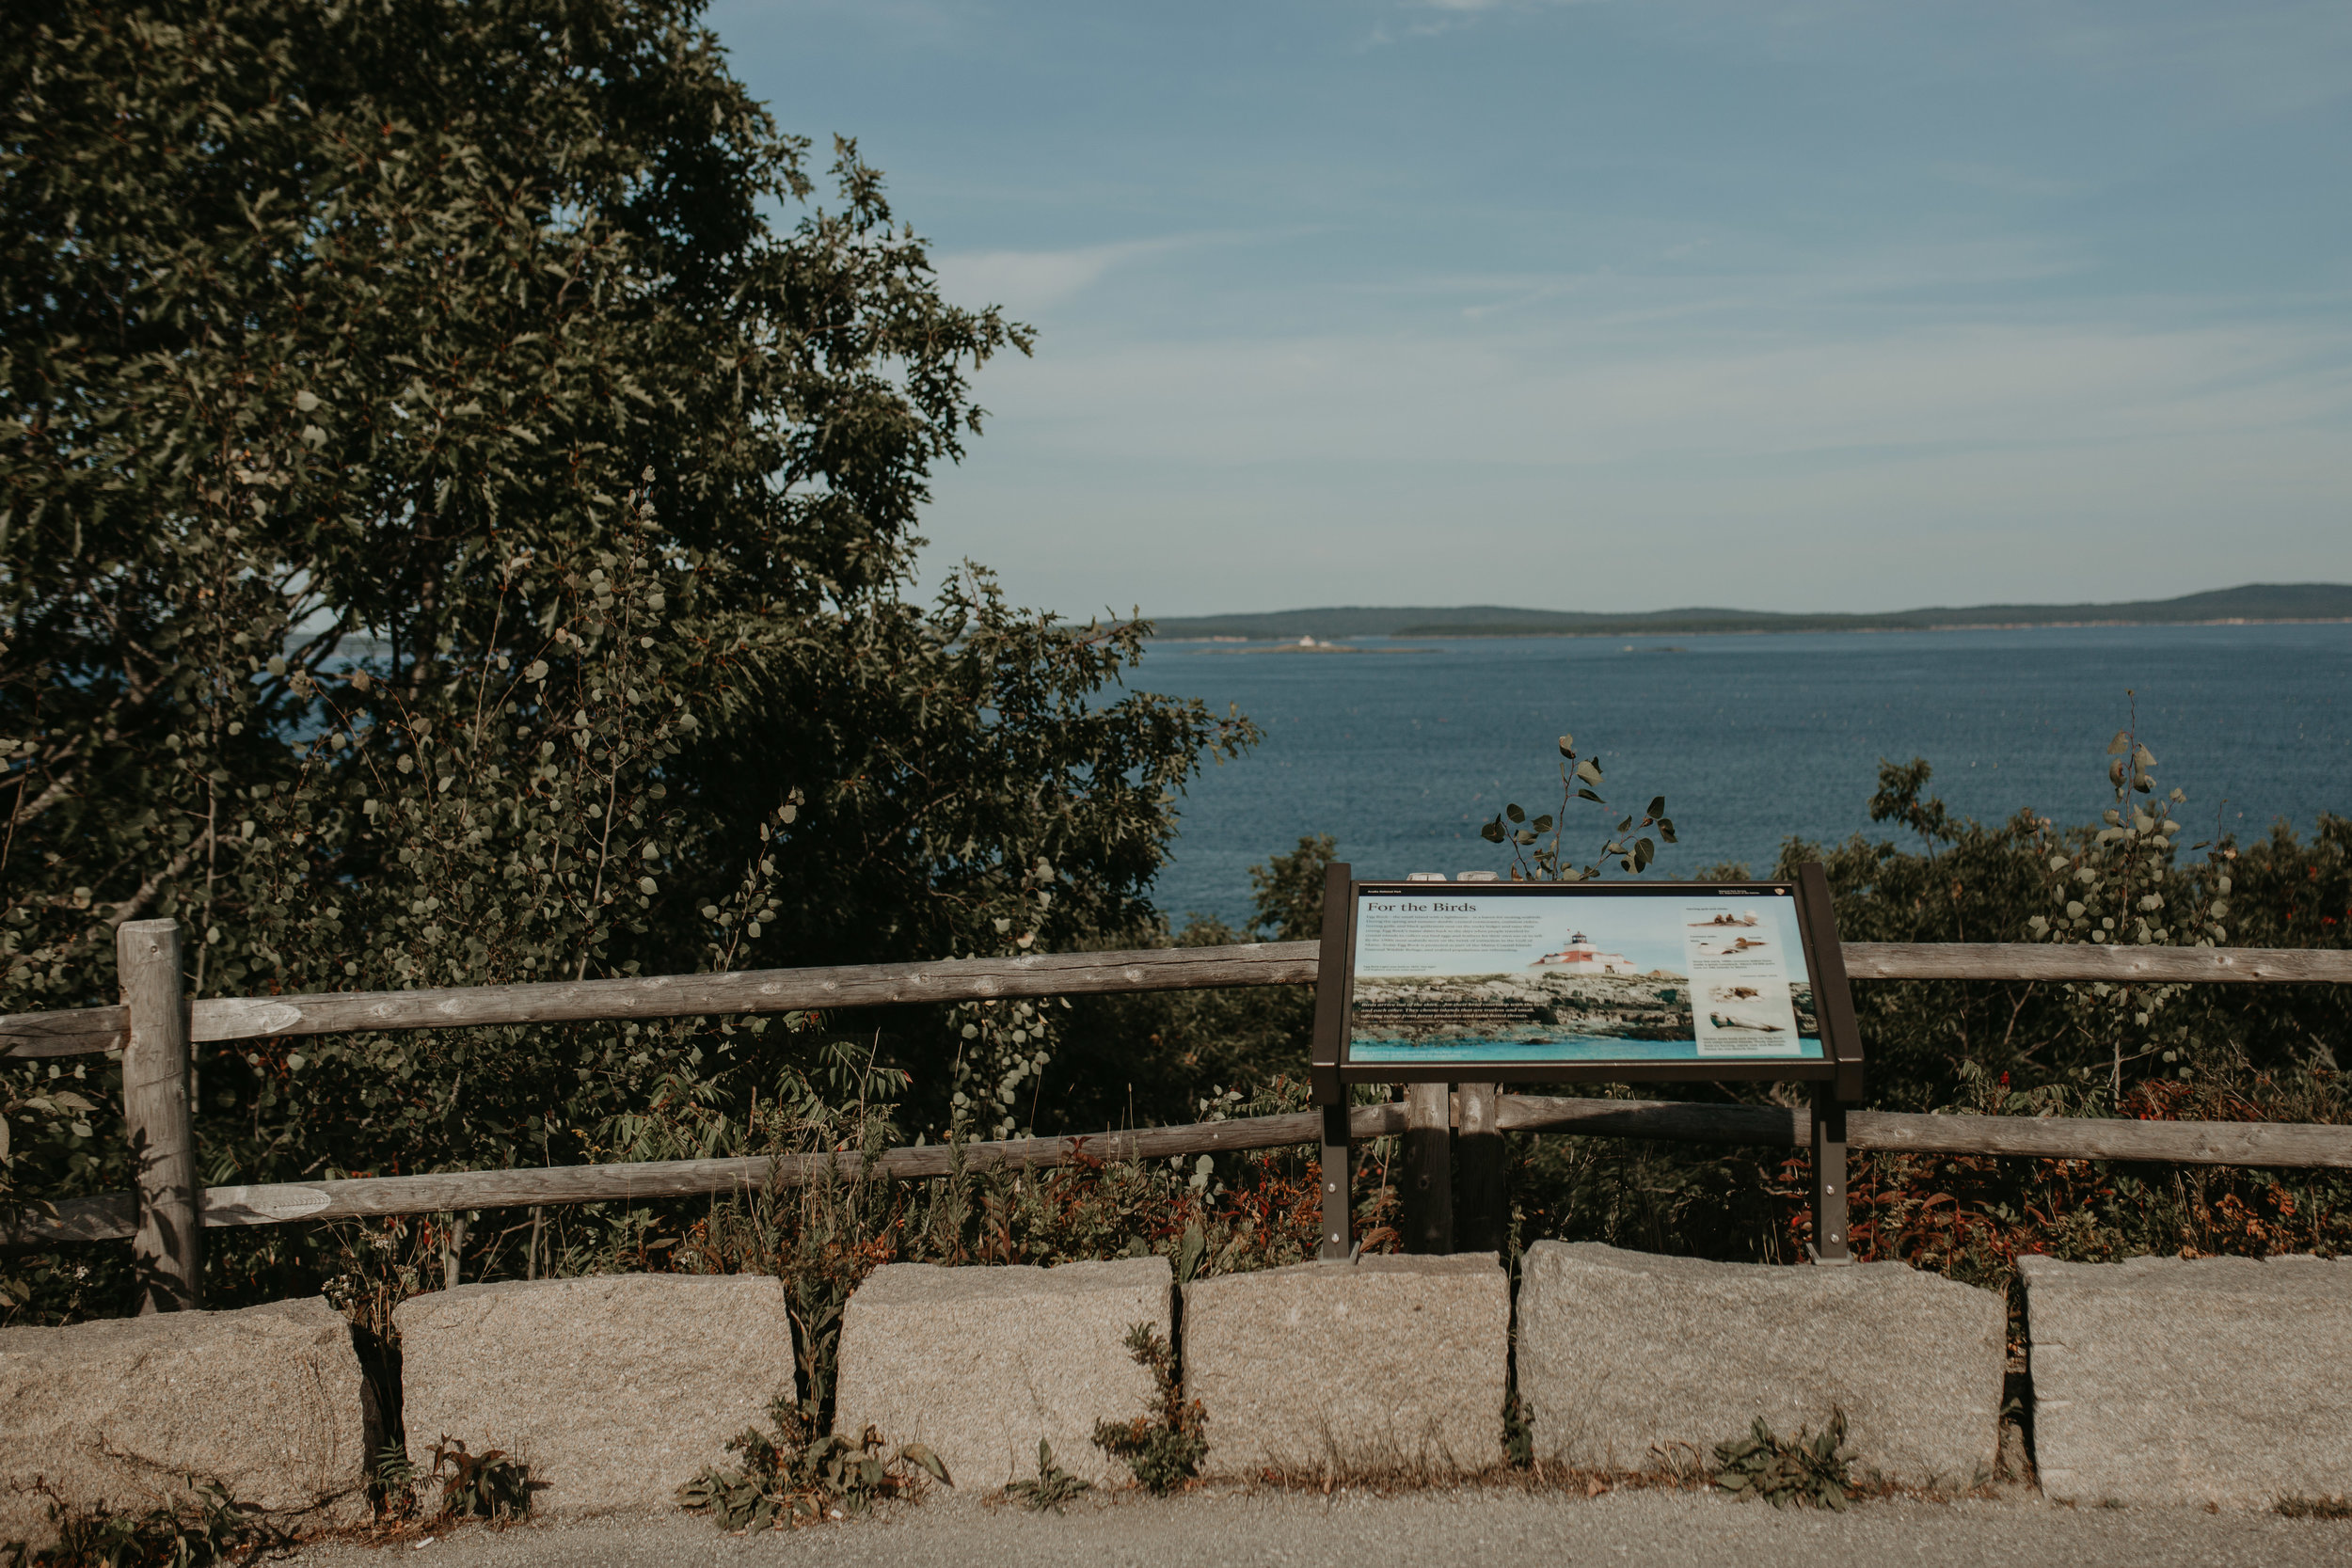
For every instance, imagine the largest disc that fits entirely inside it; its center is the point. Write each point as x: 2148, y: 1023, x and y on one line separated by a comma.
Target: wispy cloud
x: 1899, y: 461
x: 1032, y: 281
x: 1579, y: 394
x: 1421, y: 19
x: 2004, y: 182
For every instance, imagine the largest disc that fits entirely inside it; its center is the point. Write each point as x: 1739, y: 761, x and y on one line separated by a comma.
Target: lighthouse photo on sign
x: 1687, y: 976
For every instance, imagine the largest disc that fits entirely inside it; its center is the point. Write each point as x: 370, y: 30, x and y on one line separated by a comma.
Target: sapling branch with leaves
x: 1532, y: 859
x: 2120, y: 886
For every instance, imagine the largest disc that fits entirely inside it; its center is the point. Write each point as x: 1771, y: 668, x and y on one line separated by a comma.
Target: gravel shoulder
x: 1489, y: 1527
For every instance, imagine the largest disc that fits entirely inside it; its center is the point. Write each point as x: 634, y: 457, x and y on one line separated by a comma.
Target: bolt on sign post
x: 168, y: 1245
x: 1425, y: 983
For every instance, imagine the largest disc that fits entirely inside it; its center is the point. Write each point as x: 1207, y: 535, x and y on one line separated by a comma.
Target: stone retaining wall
x: 2212, y: 1383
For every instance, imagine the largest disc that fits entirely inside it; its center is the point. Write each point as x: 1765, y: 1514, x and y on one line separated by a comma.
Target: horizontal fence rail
x: 763, y: 990
x: 2207, y: 1143
x: 1267, y: 963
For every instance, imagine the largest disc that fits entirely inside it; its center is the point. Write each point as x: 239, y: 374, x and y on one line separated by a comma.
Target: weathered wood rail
x: 166, y: 1225
x: 212, y: 1019
x: 114, y: 1215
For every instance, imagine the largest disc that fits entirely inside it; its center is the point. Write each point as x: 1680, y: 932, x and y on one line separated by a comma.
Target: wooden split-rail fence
x: 155, y: 1025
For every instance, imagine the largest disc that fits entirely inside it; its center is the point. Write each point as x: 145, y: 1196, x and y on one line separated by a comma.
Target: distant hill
x: 2256, y: 601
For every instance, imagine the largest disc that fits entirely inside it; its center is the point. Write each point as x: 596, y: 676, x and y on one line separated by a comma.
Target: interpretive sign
x: 1486, y: 982
x: 1590, y: 981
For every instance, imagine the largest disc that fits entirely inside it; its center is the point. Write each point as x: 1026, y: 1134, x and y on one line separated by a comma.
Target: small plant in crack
x: 1165, y: 1447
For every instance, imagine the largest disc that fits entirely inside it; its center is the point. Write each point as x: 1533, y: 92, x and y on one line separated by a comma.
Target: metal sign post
x: 1430, y: 983
x: 1339, y: 1172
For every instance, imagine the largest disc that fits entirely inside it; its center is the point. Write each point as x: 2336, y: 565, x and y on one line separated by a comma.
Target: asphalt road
x: 1473, y: 1528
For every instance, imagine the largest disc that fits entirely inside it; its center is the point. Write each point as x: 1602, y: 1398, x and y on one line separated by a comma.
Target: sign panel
x: 1483, y: 982
x: 1617, y: 980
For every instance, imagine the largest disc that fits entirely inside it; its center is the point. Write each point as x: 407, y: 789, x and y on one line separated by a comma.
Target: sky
x: 1623, y: 305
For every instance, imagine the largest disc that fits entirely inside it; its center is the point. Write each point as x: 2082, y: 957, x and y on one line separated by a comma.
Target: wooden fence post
x: 168, y: 1245
x: 1482, y: 1204
x: 452, y: 1249
x: 1428, y: 1195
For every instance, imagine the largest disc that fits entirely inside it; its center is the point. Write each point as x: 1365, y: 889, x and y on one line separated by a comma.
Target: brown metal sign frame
x: 1836, y: 1076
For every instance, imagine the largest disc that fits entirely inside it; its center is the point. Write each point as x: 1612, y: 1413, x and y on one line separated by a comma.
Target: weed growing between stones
x: 393, y: 1485
x: 1165, y: 1448
x: 490, y: 1486
x: 2298, y: 1507
x: 209, y: 1527
x: 1807, y: 1470
x: 790, y: 1479
x: 1054, y: 1486
x: 1519, y: 1431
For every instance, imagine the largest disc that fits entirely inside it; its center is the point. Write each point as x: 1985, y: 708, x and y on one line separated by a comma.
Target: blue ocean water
x: 1752, y: 739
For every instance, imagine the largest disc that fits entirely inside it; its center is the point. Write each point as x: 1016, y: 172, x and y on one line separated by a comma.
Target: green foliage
x: 1139, y: 1060
x: 2034, y: 1047
x: 1165, y: 1447
x: 1807, y: 1470
x: 209, y: 1527
x: 1535, y: 860
x: 1054, y: 1486
x: 1286, y: 893
x: 492, y: 1485
x: 2115, y: 885
x: 790, y: 1477
x: 457, y: 489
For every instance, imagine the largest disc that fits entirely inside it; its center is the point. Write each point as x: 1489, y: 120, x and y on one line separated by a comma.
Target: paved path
x: 1491, y: 1528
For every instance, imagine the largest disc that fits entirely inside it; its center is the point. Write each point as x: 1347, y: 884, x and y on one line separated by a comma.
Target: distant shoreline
x: 2249, y: 604
x: 1465, y: 634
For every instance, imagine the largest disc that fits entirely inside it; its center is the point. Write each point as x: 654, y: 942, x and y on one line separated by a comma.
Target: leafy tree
x: 1153, y: 1058
x: 458, y: 492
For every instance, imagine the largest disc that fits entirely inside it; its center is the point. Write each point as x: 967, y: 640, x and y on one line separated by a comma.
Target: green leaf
x: 1567, y: 746
x: 1513, y: 813
x: 1189, y: 1252
x: 1589, y: 771
x: 919, y: 1453
x: 1657, y: 806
